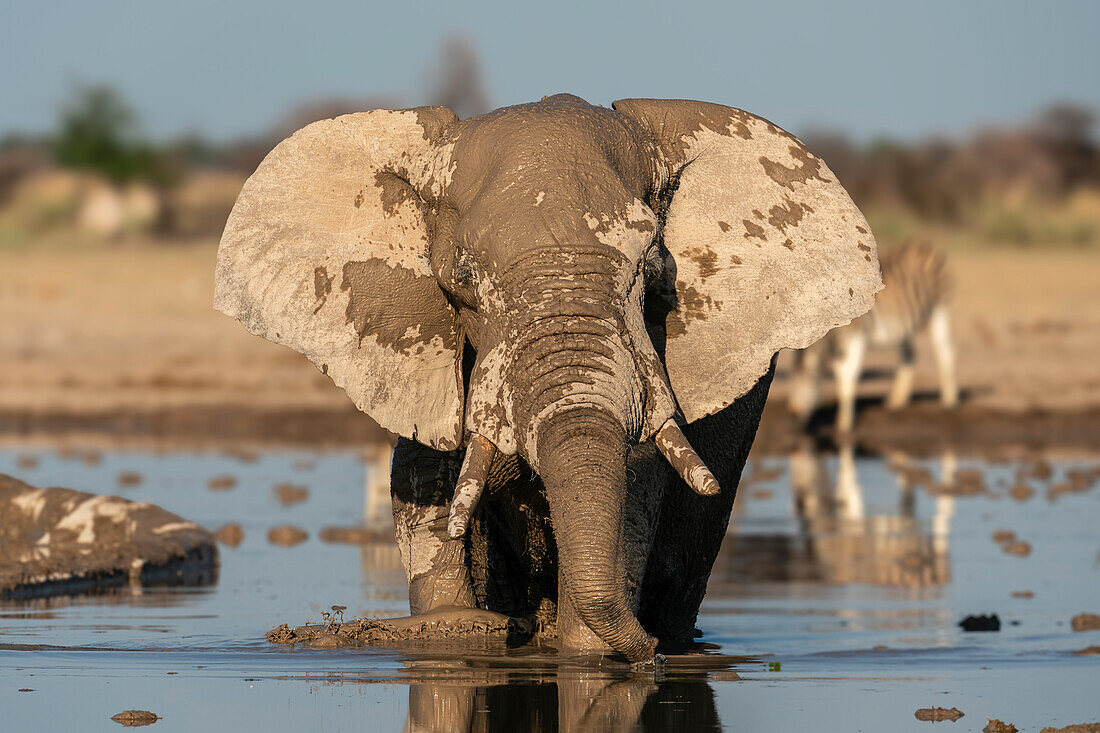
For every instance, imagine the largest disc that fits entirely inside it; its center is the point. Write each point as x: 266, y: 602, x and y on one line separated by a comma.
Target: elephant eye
x: 464, y: 274
x: 464, y: 271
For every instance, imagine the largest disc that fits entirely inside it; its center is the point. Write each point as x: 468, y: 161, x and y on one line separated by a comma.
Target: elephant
x: 570, y: 315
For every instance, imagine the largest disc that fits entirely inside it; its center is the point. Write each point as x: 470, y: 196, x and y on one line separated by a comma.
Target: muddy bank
x: 920, y: 429
x: 60, y: 542
x: 441, y: 625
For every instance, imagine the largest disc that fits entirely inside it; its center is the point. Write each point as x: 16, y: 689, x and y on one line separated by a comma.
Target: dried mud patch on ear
x: 787, y: 214
x: 806, y: 168
x: 693, y: 306
x: 753, y: 230
x: 393, y: 191
x: 322, y: 286
x: 706, y: 258
x: 383, y: 301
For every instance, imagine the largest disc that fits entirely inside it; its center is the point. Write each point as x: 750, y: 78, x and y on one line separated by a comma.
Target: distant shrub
x: 98, y: 133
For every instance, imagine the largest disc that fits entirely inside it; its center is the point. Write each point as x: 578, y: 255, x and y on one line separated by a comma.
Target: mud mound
x: 440, y: 625
x: 59, y: 541
x: 135, y: 718
x: 938, y: 715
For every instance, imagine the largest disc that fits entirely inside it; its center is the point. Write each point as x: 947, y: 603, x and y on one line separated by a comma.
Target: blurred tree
x: 98, y: 133
x: 460, y: 85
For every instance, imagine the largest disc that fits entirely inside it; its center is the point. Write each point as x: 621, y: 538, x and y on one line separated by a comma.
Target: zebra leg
x: 803, y: 395
x: 902, y: 388
x: 939, y: 329
x: 846, y: 369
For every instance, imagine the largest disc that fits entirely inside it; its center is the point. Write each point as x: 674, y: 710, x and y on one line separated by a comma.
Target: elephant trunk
x: 578, y: 401
x: 582, y: 458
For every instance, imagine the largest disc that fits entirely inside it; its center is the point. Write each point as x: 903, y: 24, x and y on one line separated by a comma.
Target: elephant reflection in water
x: 851, y: 545
x: 380, y: 560
x: 838, y: 540
x: 571, y: 703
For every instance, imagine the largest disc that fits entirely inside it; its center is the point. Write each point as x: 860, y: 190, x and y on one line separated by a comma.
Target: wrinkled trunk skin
x: 582, y: 459
x: 578, y: 399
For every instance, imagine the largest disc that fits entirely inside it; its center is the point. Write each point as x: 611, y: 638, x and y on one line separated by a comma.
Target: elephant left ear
x: 326, y: 251
x: 765, y: 249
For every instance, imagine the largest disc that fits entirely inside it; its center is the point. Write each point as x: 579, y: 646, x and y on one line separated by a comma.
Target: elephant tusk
x: 675, y: 447
x: 471, y: 482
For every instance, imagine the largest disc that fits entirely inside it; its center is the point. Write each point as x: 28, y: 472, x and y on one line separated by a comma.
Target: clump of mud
x: 998, y: 726
x: 438, y: 625
x: 222, y: 483
x: 1023, y: 594
x: 1088, y: 651
x: 129, y: 479
x: 1086, y: 622
x: 1006, y: 538
x: 135, y: 718
x: 1078, y: 728
x: 938, y: 715
x: 1077, y: 480
x: 287, y: 493
x: 1021, y: 491
x: 1018, y: 548
x: 231, y: 535
x: 286, y: 535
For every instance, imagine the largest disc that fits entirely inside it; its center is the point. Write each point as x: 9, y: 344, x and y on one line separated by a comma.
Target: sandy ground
x: 129, y: 330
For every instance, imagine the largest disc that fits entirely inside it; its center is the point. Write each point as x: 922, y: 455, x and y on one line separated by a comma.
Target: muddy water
x: 834, y: 606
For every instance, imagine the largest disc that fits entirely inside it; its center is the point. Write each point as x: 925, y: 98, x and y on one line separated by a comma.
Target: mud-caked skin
x: 561, y: 283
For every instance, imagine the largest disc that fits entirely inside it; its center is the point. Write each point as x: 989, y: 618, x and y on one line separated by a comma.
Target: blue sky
x: 869, y: 69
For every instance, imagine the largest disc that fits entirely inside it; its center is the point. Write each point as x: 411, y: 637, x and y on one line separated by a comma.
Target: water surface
x: 833, y: 606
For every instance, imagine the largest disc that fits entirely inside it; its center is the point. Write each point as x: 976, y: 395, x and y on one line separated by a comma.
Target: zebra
x: 916, y: 289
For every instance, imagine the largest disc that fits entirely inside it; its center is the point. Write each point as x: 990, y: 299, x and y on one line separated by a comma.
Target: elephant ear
x: 765, y: 249
x: 326, y: 251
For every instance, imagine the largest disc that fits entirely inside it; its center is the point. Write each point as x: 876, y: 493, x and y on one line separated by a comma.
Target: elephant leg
x: 691, y: 528
x: 421, y: 487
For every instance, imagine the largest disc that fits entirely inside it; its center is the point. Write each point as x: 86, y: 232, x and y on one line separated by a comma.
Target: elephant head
x: 603, y: 274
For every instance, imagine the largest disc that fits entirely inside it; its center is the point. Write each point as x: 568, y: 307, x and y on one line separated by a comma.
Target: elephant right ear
x: 764, y: 250
x: 327, y: 252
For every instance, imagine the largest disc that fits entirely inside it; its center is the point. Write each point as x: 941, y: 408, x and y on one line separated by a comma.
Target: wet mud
x: 288, y: 494
x: 230, y: 535
x: 938, y: 715
x: 998, y: 726
x: 465, y: 624
x: 286, y: 535
x: 135, y: 718
x: 1086, y: 622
